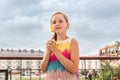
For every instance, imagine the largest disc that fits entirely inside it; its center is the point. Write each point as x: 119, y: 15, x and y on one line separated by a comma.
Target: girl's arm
x: 72, y: 64
x: 44, y: 62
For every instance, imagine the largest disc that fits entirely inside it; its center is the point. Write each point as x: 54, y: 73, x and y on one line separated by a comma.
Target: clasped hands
x: 51, y: 45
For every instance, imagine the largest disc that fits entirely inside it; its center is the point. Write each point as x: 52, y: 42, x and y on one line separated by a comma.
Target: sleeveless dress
x: 55, y: 70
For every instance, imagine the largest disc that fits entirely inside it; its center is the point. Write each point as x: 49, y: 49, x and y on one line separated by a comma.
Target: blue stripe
x: 54, y: 66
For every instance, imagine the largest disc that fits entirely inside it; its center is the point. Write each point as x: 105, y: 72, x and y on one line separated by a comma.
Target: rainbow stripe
x: 54, y: 64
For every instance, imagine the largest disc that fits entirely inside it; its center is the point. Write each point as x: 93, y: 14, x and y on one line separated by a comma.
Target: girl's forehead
x: 57, y: 16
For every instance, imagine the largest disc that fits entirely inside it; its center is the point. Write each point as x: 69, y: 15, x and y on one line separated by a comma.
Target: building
x: 16, y: 64
x: 90, y: 64
x: 111, y: 50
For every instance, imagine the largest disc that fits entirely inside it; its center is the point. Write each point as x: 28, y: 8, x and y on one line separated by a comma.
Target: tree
x: 107, y: 70
x: 117, y: 72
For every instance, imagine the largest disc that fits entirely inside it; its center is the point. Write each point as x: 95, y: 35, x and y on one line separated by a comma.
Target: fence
x: 28, y: 74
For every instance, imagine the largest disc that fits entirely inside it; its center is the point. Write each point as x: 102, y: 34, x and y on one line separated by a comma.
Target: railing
x: 5, y: 71
x: 101, y: 59
x: 40, y: 58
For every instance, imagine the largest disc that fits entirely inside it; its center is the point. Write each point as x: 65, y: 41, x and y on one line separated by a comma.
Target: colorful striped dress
x: 55, y: 70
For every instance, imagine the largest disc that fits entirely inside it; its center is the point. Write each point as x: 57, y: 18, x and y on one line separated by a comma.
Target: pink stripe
x: 60, y: 75
x: 66, y: 53
x: 54, y: 58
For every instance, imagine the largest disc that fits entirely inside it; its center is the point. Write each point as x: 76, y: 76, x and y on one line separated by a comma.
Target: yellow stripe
x: 63, y: 46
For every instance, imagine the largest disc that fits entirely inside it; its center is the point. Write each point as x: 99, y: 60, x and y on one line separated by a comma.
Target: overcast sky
x: 24, y: 24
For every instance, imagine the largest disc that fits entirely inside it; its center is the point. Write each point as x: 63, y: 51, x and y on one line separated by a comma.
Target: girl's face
x: 59, y: 24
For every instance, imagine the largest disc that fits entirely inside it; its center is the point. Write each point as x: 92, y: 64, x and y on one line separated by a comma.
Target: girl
x: 61, y: 58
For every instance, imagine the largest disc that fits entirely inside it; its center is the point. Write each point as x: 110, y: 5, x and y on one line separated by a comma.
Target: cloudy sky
x: 24, y: 24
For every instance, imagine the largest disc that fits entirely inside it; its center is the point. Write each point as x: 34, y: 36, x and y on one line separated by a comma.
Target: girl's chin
x: 58, y: 32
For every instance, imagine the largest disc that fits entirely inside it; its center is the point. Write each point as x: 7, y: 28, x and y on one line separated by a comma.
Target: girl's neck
x: 61, y: 37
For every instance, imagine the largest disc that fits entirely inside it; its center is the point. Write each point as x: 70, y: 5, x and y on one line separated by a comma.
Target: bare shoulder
x: 74, y: 41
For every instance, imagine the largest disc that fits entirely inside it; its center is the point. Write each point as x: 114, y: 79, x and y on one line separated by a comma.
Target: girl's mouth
x: 58, y: 28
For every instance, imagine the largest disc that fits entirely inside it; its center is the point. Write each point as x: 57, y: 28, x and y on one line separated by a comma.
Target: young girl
x: 61, y: 58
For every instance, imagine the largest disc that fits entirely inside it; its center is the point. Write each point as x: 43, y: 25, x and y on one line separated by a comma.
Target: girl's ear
x: 68, y: 25
x: 51, y: 28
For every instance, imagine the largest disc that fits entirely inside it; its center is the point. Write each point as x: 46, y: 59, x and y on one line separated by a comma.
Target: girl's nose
x: 57, y: 22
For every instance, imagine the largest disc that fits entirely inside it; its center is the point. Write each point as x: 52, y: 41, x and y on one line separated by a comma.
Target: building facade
x: 111, y: 50
x: 16, y: 64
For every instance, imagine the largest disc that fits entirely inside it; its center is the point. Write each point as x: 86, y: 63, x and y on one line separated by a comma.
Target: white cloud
x: 102, y: 9
x: 25, y: 23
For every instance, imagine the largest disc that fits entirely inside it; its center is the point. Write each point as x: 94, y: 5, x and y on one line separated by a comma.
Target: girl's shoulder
x: 72, y: 40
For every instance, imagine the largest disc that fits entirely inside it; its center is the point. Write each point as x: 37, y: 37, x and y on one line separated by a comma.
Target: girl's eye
x: 60, y: 21
x: 53, y: 22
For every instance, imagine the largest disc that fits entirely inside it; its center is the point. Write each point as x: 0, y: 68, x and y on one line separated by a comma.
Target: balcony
x: 29, y: 73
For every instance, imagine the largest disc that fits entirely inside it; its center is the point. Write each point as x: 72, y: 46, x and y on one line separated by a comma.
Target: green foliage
x: 107, y: 70
x: 83, y: 72
x: 117, y: 72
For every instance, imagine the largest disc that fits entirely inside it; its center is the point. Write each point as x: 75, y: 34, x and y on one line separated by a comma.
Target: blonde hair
x: 66, y: 19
